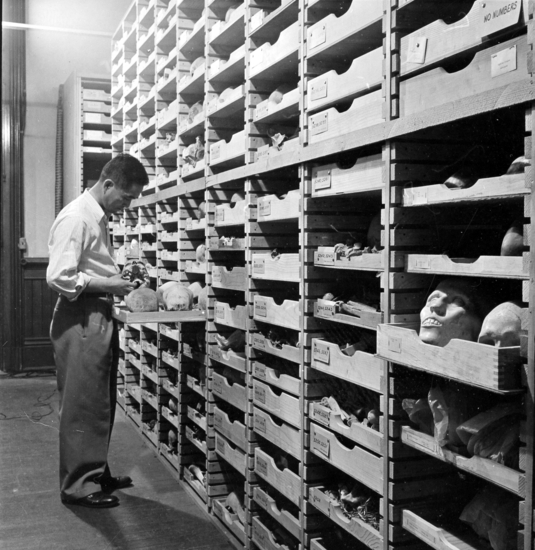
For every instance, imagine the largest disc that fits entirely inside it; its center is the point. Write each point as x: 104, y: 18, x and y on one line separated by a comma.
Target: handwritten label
x: 325, y: 309
x: 421, y: 263
x: 321, y: 444
x: 216, y: 274
x: 260, y: 423
x: 220, y: 312
x: 261, y: 498
x: 318, y: 88
x: 260, y: 394
x: 321, y: 414
x: 217, y: 386
x: 256, y: 20
x: 261, y: 110
x: 317, y: 36
x: 215, y: 151
x: 319, y: 123
x: 417, y: 49
x: 218, y: 420
x: 259, y: 341
x: 260, y: 371
x: 220, y: 445
x: 258, y: 535
x: 419, y: 196
x: 259, y: 266
x: 321, y: 353
x: 219, y: 214
x: 321, y: 180
x: 497, y: 15
x: 264, y: 206
x: 503, y: 62
x: 394, y: 344
x: 325, y: 258
x: 260, y: 308
x: 261, y: 466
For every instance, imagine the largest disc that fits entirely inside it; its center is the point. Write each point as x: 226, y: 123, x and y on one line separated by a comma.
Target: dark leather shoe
x: 114, y: 483
x: 94, y: 500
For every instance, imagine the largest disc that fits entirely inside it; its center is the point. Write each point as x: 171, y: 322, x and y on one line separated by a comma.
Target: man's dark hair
x: 125, y: 170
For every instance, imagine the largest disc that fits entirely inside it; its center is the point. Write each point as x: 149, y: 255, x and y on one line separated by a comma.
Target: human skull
x: 513, y: 241
x: 450, y: 312
x: 501, y: 327
x: 373, y: 238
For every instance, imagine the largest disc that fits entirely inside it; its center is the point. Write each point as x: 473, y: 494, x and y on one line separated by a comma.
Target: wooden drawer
x: 360, y: 464
x: 227, y: 70
x: 361, y: 530
x: 229, y: 520
x: 288, y: 314
x: 195, y: 225
x: 270, y: 55
x: 285, y: 518
x: 264, y: 539
x: 232, y: 317
x: 470, y: 362
x: 285, y: 481
x: 231, y: 279
x: 170, y: 360
x: 226, y: 244
x: 196, y: 385
x: 367, y: 437
x: 438, y: 41
x: 230, y: 358
x: 232, y: 454
x: 271, y: 208
x: 195, y: 267
x: 362, y: 368
x: 149, y: 398
x: 357, y: 28
x: 201, y: 445
x: 234, y: 394
x: 510, y: 267
x: 195, y: 484
x: 327, y: 309
x: 365, y: 175
x: 227, y: 105
x: 284, y: 436
x: 438, y: 87
x: 285, y: 267
x: 222, y: 151
x: 191, y: 171
x: 325, y: 256
x: 487, y: 469
x: 290, y: 353
x: 235, y: 432
x: 196, y: 417
x: 170, y: 416
x: 226, y: 215
x: 363, y: 76
x: 284, y: 406
x: 268, y: 151
x: 170, y: 388
x: 274, y: 378
x: 269, y: 112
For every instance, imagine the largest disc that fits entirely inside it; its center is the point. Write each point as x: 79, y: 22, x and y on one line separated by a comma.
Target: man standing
x: 82, y: 269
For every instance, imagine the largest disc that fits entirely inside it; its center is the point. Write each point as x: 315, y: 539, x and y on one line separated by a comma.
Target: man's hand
x: 119, y: 286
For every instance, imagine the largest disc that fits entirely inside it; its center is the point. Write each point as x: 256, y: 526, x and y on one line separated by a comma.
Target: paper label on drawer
x: 257, y: 57
x: 264, y: 207
x: 421, y: 263
x: 260, y: 394
x: 220, y: 312
x: 320, y: 352
x: 394, y: 344
x: 92, y: 117
x: 423, y: 442
x: 260, y: 308
x: 220, y: 445
x: 259, y: 536
x: 216, y: 274
x: 318, y: 89
x: 411, y: 525
x: 261, y: 110
x: 262, y: 499
x: 319, y: 123
x: 324, y: 309
x: 215, y: 151
x: 260, y: 423
x: 503, y: 62
x: 325, y: 258
x: 417, y: 49
x: 322, y: 180
x: 321, y: 414
x: 220, y: 215
x: 261, y: 466
x: 321, y: 444
x: 256, y: 20
x: 218, y: 420
x: 498, y: 14
x: 419, y: 196
x: 317, y: 36
x: 259, y: 341
x: 217, y: 386
x: 259, y: 266
x: 260, y: 371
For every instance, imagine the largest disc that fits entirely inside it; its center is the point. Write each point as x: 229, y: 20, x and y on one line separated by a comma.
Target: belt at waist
x: 105, y: 295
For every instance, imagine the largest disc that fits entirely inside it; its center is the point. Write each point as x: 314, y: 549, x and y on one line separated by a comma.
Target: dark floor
x: 156, y: 513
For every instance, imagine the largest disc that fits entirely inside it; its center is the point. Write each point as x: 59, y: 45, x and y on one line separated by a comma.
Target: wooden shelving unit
x: 272, y: 131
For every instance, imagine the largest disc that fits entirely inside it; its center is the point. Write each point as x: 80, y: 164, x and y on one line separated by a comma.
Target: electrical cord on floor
x: 35, y: 416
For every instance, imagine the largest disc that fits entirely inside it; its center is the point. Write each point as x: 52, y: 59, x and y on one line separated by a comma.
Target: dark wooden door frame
x: 11, y: 193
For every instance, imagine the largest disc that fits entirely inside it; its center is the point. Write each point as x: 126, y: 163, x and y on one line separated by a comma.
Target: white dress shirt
x: 79, y: 247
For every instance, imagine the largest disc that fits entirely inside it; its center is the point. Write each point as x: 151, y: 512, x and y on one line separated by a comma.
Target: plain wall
x: 50, y: 58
